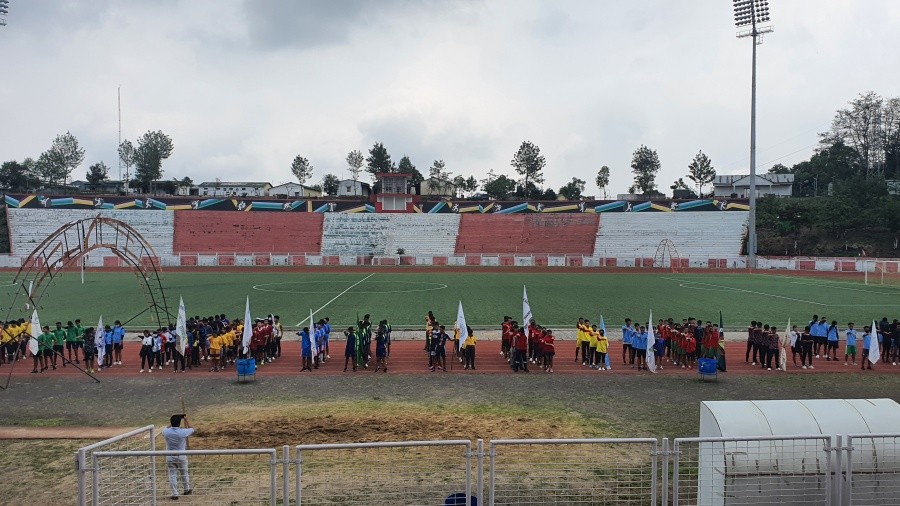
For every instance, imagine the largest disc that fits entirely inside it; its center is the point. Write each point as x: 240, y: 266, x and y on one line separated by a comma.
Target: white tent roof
x: 798, y: 417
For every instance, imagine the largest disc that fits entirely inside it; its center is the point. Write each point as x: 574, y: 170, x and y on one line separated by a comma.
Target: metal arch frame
x: 61, y: 250
x: 666, y: 246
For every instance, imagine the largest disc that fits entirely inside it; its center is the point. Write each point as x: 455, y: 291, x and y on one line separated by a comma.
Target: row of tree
x: 54, y: 167
x: 528, y: 164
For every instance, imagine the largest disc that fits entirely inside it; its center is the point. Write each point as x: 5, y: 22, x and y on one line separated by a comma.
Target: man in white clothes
x: 176, y: 440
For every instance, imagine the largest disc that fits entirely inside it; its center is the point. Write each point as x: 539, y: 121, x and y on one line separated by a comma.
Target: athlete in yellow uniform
x: 592, y: 346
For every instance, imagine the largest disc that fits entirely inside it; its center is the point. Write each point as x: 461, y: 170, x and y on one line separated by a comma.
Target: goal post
x: 881, y: 272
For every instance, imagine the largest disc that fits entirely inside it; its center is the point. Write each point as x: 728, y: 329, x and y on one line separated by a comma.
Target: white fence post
x: 285, y: 475
x: 480, y: 486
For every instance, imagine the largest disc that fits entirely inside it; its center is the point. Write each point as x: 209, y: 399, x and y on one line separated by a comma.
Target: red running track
x: 408, y: 357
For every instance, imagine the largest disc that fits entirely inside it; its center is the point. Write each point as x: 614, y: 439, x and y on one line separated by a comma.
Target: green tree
x: 330, y: 184
x: 679, y: 185
x: 602, y: 179
x: 498, y: 187
x: 406, y: 167
x: 779, y: 168
x: 126, y: 158
x: 831, y: 164
x: 439, y: 176
x: 645, y: 165
x: 379, y: 161
x: 97, y: 173
x: 301, y: 169
x: 529, y: 163
x: 55, y: 165
x: 459, y: 184
x: 871, y: 126
x: 152, y: 149
x: 17, y: 176
x: 701, y: 171
x: 471, y: 184
x: 355, y: 162
x: 573, y: 189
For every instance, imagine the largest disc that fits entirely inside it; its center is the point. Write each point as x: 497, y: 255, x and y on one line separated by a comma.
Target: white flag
x: 181, y: 328
x: 874, y: 351
x: 248, y: 329
x: 526, y: 312
x: 98, y: 334
x: 651, y: 340
x: 35, y: 331
x: 785, y: 344
x: 462, y: 326
x: 313, y: 338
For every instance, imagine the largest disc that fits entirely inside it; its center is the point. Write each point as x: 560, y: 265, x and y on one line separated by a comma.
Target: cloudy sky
x: 244, y: 86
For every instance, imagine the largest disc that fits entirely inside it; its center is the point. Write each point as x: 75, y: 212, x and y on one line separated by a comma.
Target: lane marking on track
x: 744, y: 291
x: 336, y: 297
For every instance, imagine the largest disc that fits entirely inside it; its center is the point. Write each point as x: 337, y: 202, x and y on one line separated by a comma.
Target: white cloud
x: 242, y: 87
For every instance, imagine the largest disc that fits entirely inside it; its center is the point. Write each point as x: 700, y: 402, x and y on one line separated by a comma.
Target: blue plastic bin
x: 245, y: 367
x: 707, y: 367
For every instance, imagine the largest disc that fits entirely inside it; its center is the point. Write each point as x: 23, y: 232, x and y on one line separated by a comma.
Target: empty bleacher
x: 384, y: 234
x: 28, y: 227
x: 570, y: 234
x: 696, y: 235
x: 247, y: 232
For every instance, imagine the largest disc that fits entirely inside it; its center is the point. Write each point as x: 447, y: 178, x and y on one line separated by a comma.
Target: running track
x: 408, y: 357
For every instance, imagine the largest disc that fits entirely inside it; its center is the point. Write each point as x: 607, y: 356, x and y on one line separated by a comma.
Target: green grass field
x: 557, y: 298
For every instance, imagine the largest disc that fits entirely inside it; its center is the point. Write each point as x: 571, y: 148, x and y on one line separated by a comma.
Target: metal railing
x: 573, y: 471
x: 802, y: 469
x: 211, y: 477
x: 873, y: 469
x: 408, y: 472
x: 143, y: 438
x: 752, y: 470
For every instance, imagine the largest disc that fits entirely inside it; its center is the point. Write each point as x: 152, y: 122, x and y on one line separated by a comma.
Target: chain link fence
x: 573, y: 471
x: 208, y: 477
x: 790, y: 470
x: 752, y: 470
x: 412, y: 472
x: 143, y: 438
x: 873, y: 469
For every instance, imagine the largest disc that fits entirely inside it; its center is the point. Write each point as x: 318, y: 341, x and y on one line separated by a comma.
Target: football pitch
x: 557, y: 299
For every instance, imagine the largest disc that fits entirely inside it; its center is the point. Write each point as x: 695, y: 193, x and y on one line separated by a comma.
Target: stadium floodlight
x: 4, y: 10
x: 753, y: 14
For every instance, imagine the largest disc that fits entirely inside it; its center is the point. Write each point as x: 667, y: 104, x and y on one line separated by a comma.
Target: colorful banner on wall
x: 355, y: 206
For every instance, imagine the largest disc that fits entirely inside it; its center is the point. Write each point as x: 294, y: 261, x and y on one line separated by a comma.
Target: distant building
x: 290, y: 190
x: 233, y: 189
x: 394, y: 192
x: 108, y: 187
x: 893, y: 186
x: 437, y: 187
x: 351, y: 188
x: 738, y: 185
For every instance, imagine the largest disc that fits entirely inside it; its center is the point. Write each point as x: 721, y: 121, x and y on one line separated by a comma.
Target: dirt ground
x: 274, y: 411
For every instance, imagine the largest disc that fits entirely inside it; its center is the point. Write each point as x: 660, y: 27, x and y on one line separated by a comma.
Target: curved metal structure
x: 667, y: 256
x: 68, y: 245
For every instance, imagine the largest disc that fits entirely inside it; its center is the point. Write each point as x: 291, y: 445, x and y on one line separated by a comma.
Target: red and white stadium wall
x: 703, y: 240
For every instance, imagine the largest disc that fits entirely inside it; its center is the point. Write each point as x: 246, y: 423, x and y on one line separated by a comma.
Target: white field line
x: 836, y: 287
x: 336, y: 297
x: 745, y: 291
x: 835, y: 283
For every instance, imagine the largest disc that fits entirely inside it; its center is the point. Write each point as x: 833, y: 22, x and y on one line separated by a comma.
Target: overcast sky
x: 244, y: 86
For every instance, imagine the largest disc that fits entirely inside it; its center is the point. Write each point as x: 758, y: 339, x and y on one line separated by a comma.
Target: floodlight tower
x: 755, y: 15
x: 4, y: 10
